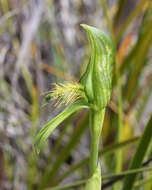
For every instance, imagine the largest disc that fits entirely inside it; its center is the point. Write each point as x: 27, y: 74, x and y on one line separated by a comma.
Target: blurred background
x: 41, y: 42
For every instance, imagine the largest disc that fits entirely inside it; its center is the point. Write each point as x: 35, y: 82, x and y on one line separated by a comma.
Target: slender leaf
x: 139, y: 155
x: 129, y: 19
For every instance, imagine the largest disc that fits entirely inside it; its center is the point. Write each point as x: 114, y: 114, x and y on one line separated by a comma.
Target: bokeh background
x: 41, y: 42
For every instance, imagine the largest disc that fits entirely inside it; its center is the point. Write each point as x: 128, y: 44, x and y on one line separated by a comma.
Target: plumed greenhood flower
x: 97, y: 80
x: 93, y: 89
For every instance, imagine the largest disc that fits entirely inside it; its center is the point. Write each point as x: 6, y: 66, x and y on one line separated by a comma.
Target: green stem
x: 105, y: 151
x: 97, y: 118
x: 119, y: 154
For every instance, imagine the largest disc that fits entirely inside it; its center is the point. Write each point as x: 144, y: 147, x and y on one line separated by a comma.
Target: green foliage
x: 96, y: 81
x: 33, y: 58
x: 137, y: 57
x: 139, y: 155
x: 94, y: 84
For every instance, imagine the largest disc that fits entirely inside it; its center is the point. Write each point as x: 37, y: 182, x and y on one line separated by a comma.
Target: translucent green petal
x: 46, y: 131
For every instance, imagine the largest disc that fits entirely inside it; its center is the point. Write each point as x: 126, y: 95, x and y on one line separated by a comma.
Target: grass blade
x: 129, y: 19
x: 139, y: 155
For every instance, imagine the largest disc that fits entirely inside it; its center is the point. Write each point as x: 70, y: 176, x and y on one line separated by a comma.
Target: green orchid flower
x: 93, y: 91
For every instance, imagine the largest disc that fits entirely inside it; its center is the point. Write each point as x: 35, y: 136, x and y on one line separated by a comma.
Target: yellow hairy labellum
x: 66, y: 93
